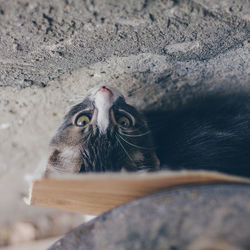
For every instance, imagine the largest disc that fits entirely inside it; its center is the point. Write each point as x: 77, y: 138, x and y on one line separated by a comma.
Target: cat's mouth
x: 105, y: 96
x: 106, y: 90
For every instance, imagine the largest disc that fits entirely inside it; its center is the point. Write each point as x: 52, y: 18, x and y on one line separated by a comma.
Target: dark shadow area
x: 210, y: 132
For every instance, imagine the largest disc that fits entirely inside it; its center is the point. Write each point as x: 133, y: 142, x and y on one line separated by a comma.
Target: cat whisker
x: 86, y: 158
x: 131, y: 130
x: 88, y: 136
x: 126, y: 152
x: 136, y: 135
x: 134, y: 145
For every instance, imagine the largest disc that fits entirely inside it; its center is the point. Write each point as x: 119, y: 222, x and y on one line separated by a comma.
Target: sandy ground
x: 158, y: 53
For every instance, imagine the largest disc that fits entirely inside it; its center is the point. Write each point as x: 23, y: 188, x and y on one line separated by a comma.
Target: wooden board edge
x: 196, y: 177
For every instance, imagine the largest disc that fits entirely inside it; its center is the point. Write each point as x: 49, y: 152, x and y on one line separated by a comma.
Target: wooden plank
x: 97, y: 193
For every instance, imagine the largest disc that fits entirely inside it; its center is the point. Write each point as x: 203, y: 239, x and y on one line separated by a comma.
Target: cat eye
x: 82, y: 120
x: 124, y: 122
x: 123, y: 118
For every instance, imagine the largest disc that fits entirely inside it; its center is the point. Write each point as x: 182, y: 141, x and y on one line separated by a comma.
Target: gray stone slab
x: 215, y: 216
x: 42, y: 40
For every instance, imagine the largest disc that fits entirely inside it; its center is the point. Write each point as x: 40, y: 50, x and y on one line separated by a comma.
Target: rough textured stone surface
x: 194, y: 218
x: 44, y: 40
x: 158, y: 53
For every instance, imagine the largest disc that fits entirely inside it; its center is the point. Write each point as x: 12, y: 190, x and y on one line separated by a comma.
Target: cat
x: 104, y: 133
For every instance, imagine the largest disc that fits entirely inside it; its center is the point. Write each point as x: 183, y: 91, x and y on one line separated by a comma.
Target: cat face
x: 102, y: 133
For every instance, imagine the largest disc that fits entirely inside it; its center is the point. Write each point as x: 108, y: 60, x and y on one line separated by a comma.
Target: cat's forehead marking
x: 103, y: 97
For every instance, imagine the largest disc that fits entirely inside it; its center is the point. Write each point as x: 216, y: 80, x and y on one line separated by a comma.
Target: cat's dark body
x: 211, y: 133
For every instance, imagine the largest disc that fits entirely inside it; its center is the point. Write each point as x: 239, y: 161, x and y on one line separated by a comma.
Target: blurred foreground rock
x: 43, y: 227
x: 214, y: 217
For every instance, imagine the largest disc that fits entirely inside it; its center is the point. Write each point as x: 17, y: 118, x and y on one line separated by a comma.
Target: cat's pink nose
x: 105, y: 89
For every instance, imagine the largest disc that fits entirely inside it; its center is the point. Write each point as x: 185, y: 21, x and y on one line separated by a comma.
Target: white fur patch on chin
x: 103, y: 103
